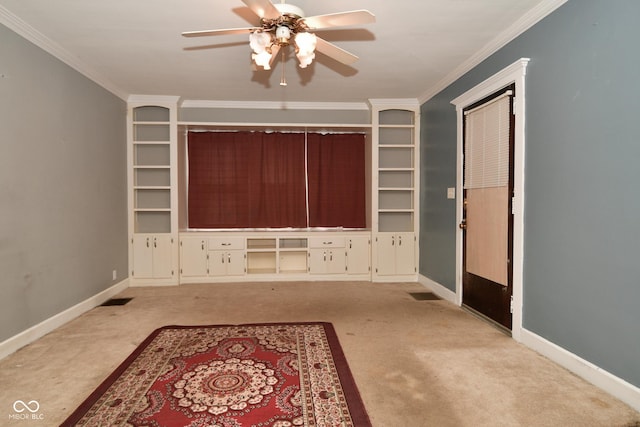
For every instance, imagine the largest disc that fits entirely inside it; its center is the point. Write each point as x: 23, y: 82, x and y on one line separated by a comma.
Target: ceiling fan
x: 283, y: 24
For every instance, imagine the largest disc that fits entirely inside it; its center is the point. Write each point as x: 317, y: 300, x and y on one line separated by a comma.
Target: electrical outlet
x: 114, y: 275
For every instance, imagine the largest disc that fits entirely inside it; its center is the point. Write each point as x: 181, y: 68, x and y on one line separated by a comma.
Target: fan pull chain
x: 283, y: 80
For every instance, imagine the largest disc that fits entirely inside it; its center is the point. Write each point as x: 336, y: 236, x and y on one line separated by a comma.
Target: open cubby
x: 396, y: 117
x: 151, y: 113
x: 261, y: 262
x: 158, y: 198
x: 152, y: 221
x: 151, y: 132
x: 395, y: 221
x: 261, y: 244
x: 293, y: 262
x: 152, y: 155
x: 396, y: 157
x: 395, y: 179
x: 396, y: 136
x: 152, y: 177
x: 396, y: 199
x: 292, y: 243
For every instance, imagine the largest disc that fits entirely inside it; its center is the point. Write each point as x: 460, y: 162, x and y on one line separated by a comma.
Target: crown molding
x: 150, y: 99
x: 25, y: 30
x: 275, y: 105
x: 528, y: 20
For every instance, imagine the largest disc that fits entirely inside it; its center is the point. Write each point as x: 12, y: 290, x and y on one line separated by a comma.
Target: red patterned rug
x: 277, y: 375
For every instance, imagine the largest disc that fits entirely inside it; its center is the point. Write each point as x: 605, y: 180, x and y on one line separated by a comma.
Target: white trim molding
x: 275, y: 105
x: 25, y: 30
x: 30, y: 335
x: 540, y: 11
x: 514, y: 73
x: 435, y: 287
x: 615, y: 386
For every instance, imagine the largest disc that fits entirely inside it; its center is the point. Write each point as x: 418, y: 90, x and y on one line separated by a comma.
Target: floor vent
x: 116, y: 301
x: 424, y: 296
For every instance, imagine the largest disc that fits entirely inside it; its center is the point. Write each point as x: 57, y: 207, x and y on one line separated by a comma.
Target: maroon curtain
x: 218, y: 180
x: 246, y: 180
x: 337, y: 187
x: 277, y: 180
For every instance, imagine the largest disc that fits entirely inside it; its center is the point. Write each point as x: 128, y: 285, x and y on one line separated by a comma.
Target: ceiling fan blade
x: 341, y: 19
x: 263, y: 8
x: 333, y: 51
x: 217, y: 32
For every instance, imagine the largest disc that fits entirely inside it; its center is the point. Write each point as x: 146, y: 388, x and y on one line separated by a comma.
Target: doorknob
x: 463, y: 225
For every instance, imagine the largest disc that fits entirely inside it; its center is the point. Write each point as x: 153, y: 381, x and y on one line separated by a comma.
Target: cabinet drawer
x: 326, y: 242
x: 217, y: 243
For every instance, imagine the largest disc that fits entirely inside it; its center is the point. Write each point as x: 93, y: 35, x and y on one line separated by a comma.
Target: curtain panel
x: 276, y: 180
x: 337, y: 185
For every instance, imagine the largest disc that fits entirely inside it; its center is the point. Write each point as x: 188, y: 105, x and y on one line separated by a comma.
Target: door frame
x: 513, y: 74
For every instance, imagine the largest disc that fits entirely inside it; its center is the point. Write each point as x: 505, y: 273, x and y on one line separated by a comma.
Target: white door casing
x: 513, y: 74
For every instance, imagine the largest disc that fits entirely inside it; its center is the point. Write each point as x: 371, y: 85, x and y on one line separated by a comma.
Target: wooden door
x: 487, y: 213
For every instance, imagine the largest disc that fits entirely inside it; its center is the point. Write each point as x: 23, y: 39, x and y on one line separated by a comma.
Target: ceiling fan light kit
x: 284, y: 24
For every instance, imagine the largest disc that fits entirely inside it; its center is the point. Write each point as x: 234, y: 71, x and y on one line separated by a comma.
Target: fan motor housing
x: 289, y: 9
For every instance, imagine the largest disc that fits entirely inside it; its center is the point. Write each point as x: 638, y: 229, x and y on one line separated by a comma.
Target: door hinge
x: 511, y: 304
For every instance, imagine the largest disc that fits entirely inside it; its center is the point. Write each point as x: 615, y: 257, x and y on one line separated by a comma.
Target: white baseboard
x: 438, y: 289
x: 615, y: 386
x: 28, y: 336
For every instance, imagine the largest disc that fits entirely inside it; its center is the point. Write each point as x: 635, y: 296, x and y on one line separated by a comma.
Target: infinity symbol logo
x: 20, y: 406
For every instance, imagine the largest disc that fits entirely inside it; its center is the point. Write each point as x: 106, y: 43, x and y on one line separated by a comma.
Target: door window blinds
x: 486, y: 149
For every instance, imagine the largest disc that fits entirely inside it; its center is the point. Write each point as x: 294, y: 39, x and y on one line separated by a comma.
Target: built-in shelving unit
x: 152, y: 189
x: 395, y: 130
x: 165, y: 251
x: 269, y: 255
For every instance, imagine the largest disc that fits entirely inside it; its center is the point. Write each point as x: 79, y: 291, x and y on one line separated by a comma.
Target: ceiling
x: 414, y: 48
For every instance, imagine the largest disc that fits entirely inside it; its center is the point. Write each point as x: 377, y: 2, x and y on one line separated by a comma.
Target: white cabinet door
x: 327, y: 261
x: 317, y: 261
x: 152, y: 256
x: 226, y: 263
x: 235, y: 263
x: 162, y: 259
x: 217, y: 266
x: 386, y: 259
x: 193, y: 257
x: 142, y: 256
x: 405, y: 253
x: 358, y: 255
x: 336, y: 261
x: 396, y: 254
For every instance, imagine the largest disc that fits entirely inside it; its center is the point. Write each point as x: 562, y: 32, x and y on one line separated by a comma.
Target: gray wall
x: 582, y: 233
x: 63, y: 198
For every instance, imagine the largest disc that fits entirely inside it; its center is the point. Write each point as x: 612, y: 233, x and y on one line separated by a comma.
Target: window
x: 276, y: 180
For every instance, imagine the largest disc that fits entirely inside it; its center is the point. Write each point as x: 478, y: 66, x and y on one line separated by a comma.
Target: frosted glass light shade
x: 306, y: 44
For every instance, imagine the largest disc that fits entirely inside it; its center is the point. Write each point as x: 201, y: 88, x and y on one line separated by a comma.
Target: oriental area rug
x: 276, y: 375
